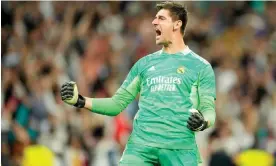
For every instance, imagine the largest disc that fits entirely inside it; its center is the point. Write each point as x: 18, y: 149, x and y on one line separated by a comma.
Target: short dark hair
x: 177, y: 10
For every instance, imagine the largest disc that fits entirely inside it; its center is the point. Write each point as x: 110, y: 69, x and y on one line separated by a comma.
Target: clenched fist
x: 196, y: 121
x: 70, y: 95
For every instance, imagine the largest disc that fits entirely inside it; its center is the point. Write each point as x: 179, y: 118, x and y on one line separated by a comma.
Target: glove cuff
x: 204, y: 126
x: 81, y: 102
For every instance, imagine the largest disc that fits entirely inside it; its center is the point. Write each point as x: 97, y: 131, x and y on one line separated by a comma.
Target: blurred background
x: 44, y: 44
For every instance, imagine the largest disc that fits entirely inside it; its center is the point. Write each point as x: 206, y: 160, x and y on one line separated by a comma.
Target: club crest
x: 180, y: 70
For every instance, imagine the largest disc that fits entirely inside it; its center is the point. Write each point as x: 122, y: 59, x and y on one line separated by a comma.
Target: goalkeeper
x: 177, y: 97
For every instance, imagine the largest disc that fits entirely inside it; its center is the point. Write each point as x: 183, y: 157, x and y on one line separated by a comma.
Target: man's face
x: 163, y: 25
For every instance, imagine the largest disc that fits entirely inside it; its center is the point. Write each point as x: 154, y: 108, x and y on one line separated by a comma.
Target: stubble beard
x: 165, y: 43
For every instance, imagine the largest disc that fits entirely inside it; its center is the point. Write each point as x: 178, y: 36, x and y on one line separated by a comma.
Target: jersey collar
x: 184, y: 52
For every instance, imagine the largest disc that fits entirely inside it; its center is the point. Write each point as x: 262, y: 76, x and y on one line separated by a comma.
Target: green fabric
x: 113, y: 106
x: 22, y: 118
x: 203, y: 94
x: 169, y: 85
x: 207, y: 108
x: 258, y: 6
x: 22, y: 115
x: 142, y: 155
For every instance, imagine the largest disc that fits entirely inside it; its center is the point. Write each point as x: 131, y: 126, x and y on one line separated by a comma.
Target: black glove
x: 69, y: 94
x: 196, y: 122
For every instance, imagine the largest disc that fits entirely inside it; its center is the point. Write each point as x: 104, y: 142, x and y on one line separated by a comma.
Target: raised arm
x: 105, y: 106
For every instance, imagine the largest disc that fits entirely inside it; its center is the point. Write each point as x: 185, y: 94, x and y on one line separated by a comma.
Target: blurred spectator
x: 74, y: 154
x: 106, y: 151
x: 220, y: 158
x: 44, y: 44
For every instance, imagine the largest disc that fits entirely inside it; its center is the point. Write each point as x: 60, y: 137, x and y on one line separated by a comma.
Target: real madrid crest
x: 180, y: 70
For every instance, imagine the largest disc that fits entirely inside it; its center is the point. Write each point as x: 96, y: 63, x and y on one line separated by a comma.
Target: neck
x: 175, y: 46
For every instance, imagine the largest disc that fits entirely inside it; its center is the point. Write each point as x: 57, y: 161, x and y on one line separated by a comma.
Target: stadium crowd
x: 44, y: 44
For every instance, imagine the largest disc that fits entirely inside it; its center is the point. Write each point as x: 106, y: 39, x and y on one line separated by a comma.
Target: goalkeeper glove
x: 196, y: 121
x: 70, y: 95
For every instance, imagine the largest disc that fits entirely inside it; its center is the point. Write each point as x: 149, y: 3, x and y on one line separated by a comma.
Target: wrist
x: 88, y: 103
x: 80, y: 102
x: 205, y: 125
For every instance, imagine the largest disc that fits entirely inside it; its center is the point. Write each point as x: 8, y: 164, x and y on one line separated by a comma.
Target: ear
x: 177, y: 25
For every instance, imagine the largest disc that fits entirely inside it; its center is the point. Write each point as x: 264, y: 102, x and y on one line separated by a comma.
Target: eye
x: 162, y: 18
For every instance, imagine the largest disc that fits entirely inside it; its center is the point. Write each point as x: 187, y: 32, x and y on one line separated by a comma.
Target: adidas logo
x: 152, y: 68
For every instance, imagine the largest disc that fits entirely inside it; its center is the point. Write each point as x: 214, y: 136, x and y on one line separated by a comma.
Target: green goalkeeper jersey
x: 169, y: 85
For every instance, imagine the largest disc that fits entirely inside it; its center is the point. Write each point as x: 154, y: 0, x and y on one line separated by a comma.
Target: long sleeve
x: 207, y: 94
x: 123, y: 96
x: 207, y: 108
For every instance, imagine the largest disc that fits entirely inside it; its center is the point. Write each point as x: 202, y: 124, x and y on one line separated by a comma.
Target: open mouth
x: 157, y: 32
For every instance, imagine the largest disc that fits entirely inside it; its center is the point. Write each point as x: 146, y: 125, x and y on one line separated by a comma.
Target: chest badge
x: 180, y: 70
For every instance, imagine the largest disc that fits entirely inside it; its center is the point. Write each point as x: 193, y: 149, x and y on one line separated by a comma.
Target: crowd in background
x: 44, y: 44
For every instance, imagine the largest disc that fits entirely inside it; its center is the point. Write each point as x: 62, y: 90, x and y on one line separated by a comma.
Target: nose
x: 155, y: 22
